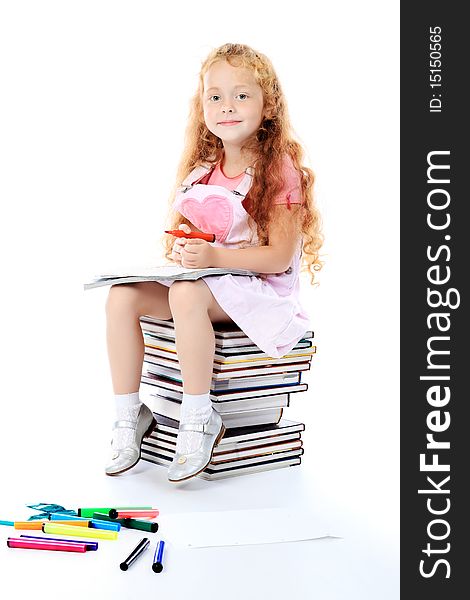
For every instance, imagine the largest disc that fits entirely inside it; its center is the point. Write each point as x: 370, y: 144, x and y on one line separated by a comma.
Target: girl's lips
x: 229, y: 122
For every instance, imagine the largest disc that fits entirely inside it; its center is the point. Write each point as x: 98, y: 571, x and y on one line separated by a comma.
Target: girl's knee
x: 122, y: 297
x: 189, y: 296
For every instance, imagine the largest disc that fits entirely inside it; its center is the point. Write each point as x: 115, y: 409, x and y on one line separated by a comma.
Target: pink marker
x: 44, y: 545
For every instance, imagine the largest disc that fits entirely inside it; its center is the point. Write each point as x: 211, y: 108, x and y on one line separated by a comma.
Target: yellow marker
x: 79, y: 531
x: 38, y: 524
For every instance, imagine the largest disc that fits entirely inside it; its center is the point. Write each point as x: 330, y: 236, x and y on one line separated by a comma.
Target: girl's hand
x: 179, y: 244
x: 197, y: 254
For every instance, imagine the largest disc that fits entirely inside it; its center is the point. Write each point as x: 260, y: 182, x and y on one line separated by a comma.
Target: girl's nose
x: 227, y: 109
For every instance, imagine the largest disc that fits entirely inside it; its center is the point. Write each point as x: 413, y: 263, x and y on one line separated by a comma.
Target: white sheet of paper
x: 242, y: 527
x: 148, y: 271
x: 163, y: 270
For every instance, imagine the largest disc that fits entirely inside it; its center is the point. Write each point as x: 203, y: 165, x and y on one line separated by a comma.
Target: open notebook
x: 159, y: 273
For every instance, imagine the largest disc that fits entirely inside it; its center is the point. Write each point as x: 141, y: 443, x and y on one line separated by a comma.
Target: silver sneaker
x: 185, y: 466
x: 125, y: 458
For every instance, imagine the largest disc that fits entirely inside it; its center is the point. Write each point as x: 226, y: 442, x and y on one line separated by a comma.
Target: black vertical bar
x: 434, y: 50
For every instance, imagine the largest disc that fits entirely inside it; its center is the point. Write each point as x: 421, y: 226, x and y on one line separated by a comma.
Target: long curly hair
x: 269, y: 146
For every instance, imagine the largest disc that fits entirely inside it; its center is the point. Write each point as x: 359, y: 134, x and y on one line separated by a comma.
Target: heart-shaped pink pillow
x: 213, y: 214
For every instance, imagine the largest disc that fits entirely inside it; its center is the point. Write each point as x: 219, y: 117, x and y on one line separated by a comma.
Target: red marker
x: 209, y: 237
x: 125, y: 514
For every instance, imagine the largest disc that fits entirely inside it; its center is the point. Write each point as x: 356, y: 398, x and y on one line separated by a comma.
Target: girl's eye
x: 242, y: 96
x: 214, y: 98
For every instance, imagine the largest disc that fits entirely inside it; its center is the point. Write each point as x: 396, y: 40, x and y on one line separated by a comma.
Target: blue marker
x: 65, y: 517
x: 93, y: 523
x: 12, y: 523
x: 97, y: 524
x: 157, y: 566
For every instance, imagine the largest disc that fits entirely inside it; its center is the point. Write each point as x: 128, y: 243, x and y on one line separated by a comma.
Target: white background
x: 94, y: 103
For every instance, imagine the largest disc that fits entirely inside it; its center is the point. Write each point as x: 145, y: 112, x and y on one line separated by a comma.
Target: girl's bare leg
x: 194, y: 309
x: 126, y: 303
x: 134, y: 420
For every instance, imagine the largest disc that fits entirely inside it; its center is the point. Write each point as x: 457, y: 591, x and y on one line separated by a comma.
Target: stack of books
x: 249, y: 390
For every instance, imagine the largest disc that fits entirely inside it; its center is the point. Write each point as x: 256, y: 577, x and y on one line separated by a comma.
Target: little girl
x: 240, y: 178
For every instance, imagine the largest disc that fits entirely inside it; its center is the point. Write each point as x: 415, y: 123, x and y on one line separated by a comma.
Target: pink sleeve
x: 291, y: 192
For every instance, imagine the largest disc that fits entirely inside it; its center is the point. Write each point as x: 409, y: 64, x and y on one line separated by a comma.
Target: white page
x: 243, y: 527
x: 161, y: 270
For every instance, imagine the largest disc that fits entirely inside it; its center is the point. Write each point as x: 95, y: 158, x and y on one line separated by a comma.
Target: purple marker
x: 89, y: 545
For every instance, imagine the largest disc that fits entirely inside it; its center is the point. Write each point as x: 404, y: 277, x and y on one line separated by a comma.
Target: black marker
x: 157, y: 566
x: 134, y: 555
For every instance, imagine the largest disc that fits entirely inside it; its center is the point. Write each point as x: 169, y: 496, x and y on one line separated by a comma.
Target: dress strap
x: 245, y: 184
x: 196, y: 175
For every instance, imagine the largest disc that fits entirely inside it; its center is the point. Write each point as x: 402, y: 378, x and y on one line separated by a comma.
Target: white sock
x: 195, y: 401
x: 127, y: 409
x: 126, y: 405
x: 195, y: 408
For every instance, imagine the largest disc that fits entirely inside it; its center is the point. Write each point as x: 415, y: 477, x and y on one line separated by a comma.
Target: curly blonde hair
x: 269, y: 146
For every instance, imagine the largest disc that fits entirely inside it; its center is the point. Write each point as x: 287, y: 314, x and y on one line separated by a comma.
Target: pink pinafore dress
x: 267, y: 308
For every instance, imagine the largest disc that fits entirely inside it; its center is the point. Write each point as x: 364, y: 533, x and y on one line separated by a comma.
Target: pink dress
x: 267, y: 309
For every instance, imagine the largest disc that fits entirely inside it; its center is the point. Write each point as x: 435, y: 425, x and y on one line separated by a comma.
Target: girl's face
x: 232, y: 102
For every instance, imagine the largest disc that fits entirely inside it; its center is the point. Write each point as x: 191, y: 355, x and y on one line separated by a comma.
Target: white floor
x: 363, y: 564
x: 54, y: 436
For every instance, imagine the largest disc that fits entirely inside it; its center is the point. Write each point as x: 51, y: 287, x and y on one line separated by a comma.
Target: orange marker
x: 38, y: 524
x: 209, y: 237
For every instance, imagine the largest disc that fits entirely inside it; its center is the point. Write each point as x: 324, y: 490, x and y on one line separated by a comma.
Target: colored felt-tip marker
x: 37, y: 525
x: 94, y: 523
x: 89, y: 545
x: 88, y: 512
x: 61, y: 517
x: 157, y: 565
x: 79, y: 531
x: 44, y: 545
x: 142, y: 525
x: 101, y: 524
x: 209, y: 237
x: 130, y: 514
x: 134, y: 555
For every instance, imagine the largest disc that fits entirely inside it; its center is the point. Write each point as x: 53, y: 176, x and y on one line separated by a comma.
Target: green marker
x: 129, y: 523
x: 88, y: 512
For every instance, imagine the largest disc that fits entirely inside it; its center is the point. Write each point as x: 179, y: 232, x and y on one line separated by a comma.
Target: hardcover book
x: 237, y: 457
x: 169, y: 368
x: 245, y: 418
x: 168, y: 441
x: 232, y: 471
x: 223, y: 362
x: 164, y: 405
x: 238, y: 434
x: 227, y: 335
x: 170, y: 345
x: 232, y: 383
x: 174, y: 389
